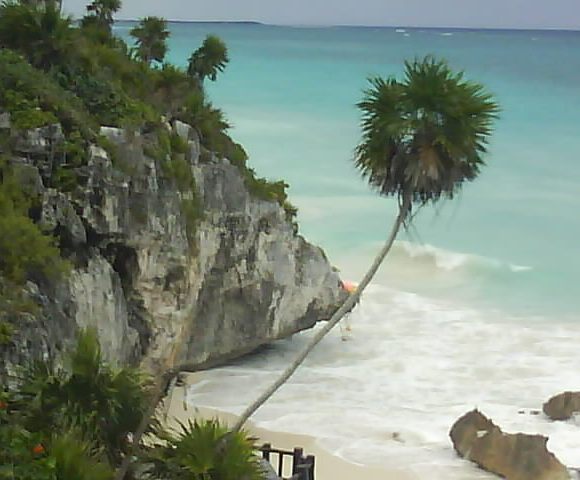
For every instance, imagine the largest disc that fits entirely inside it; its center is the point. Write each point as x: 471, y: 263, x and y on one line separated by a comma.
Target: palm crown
x: 105, y: 9
x: 209, y: 59
x: 151, y: 35
x: 39, y: 32
x: 422, y: 138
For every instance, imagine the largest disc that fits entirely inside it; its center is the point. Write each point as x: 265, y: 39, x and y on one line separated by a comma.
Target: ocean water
x: 478, y: 305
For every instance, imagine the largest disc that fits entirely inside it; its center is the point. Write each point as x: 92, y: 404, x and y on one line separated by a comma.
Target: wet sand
x: 328, y: 466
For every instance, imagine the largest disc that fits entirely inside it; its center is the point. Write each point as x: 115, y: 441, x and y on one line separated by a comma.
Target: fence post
x: 310, y: 461
x: 266, y: 451
x: 297, y: 459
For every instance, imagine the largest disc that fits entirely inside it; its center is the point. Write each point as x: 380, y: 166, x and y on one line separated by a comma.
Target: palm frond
x: 426, y: 135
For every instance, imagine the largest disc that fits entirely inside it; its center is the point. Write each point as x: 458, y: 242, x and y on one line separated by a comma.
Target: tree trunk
x: 161, y: 386
x: 164, y: 379
x: 346, y: 306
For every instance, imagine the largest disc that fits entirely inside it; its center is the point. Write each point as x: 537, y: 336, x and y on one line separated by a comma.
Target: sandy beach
x: 328, y: 466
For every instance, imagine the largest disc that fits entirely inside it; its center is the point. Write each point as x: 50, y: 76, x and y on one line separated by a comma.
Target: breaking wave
x: 446, y: 260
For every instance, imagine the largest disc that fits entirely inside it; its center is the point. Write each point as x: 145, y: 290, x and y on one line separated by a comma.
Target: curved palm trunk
x: 161, y: 387
x: 346, y: 306
x: 166, y: 377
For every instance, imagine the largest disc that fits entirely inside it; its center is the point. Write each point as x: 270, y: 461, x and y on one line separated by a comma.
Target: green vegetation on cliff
x: 60, y: 83
x: 75, y: 423
x: 82, y: 77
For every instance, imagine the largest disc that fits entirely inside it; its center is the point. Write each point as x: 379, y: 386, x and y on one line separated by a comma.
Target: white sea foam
x: 411, y: 368
x: 449, y: 260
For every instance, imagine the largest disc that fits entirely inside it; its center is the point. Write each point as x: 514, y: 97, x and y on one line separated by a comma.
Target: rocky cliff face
x: 242, y: 279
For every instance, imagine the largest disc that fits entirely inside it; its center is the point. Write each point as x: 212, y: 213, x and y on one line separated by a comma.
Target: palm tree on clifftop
x: 422, y: 139
x: 151, y: 38
x: 38, y: 31
x: 100, y: 14
x: 208, y: 60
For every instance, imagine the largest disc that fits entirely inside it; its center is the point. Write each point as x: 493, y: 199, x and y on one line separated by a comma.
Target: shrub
x: 179, y: 170
x: 24, y: 249
x: 291, y: 210
x: 103, y: 403
x: 65, y: 179
x: 30, y: 455
x: 24, y: 88
x: 209, y: 121
x: 41, y: 34
x: 193, y: 214
x: 204, y: 450
x: 178, y: 144
x: 6, y: 332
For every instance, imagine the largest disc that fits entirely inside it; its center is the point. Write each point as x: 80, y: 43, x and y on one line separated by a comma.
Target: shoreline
x: 328, y: 466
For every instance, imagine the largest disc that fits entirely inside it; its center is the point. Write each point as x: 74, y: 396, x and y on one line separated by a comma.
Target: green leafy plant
x: 28, y: 455
x: 204, y: 450
x: 178, y: 144
x: 24, y: 249
x: 193, y: 214
x: 73, y: 458
x: 6, y: 332
x: 99, y: 19
x: 103, y: 403
x: 208, y: 60
x: 40, y: 33
x: 151, y: 38
x: 24, y: 88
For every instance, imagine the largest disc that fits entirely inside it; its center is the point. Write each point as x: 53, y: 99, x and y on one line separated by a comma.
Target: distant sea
x: 478, y: 304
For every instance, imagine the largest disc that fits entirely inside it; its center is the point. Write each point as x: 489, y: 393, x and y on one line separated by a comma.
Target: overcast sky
x: 437, y: 13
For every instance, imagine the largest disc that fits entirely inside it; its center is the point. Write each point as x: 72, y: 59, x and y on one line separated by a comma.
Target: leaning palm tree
x: 422, y: 139
x: 151, y: 38
x: 208, y: 60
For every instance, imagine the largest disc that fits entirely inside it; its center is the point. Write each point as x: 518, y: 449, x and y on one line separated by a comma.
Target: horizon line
x: 298, y: 25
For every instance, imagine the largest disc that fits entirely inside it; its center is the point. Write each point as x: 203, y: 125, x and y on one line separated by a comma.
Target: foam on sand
x: 327, y: 465
x: 413, y: 365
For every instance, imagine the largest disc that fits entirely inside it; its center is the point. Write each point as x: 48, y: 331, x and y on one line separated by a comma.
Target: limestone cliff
x: 243, y: 278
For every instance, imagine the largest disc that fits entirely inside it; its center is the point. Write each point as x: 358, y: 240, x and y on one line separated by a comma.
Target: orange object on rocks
x: 349, y: 286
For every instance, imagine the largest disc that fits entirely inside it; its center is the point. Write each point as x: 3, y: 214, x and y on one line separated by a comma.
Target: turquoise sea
x: 479, y: 303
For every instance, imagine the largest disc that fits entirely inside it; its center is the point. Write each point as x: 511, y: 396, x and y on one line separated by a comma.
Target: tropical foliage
x: 99, y: 18
x: 151, y: 38
x: 209, y: 59
x: 73, y: 423
x: 426, y: 135
x: 75, y: 420
x: 70, y: 423
x: 103, y: 403
x: 24, y: 249
x: 39, y: 33
x: 30, y: 456
x: 204, y: 450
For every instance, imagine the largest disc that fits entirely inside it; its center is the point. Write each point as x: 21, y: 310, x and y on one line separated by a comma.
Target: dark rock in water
x: 512, y: 456
x: 562, y: 406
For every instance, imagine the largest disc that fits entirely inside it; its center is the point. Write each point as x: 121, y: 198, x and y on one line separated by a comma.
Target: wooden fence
x: 302, y: 467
